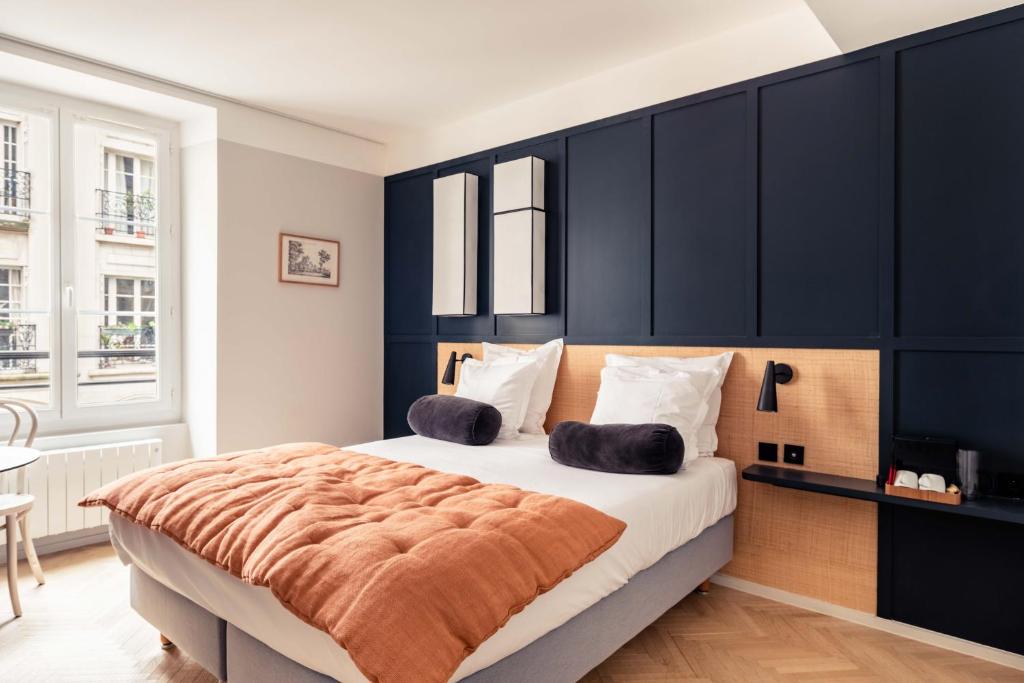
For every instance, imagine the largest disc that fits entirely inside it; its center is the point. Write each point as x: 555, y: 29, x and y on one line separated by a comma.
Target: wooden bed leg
x: 165, y: 642
x: 705, y: 587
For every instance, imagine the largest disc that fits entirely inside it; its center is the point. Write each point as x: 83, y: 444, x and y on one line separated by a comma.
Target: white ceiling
x: 365, y: 66
x: 383, y: 68
x: 854, y: 24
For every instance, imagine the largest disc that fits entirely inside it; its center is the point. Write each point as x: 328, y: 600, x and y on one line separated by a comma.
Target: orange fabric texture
x: 407, y: 568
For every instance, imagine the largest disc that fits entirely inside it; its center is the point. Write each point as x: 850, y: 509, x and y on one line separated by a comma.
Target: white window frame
x: 65, y: 415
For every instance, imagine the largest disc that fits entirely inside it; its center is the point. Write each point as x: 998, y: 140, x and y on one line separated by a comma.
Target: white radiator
x: 59, y: 479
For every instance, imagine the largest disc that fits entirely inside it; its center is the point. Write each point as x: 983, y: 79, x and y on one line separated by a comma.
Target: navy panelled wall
x: 959, y: 366
x: 406, y: 381
x: 961, y: 195
x: 872, y: 200
x: 408, y: 205
x: 973, y: 397
x: 701, y: 231
x: 974, y: 566
x: 608, y: 230
x: 819, y: 203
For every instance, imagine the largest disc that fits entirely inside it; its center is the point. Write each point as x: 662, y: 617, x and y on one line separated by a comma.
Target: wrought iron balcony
x: 121, y: 213
x: 132, y: 344
x: 15, y: 336
x: 16, y: 191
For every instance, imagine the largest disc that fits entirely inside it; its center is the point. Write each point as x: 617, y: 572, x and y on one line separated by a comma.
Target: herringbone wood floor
x: 79, y: 627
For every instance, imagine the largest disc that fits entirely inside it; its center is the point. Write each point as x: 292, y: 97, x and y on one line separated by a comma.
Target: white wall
x: 297, y: 362
x: 778, y: 42
x: 199, y: 294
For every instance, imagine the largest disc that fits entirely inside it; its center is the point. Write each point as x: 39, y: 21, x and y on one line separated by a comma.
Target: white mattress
x: 661, y: 513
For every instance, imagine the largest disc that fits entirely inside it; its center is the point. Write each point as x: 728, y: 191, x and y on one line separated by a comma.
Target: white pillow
x: 639, y: 395
x: 547, y: 356
x: 504, y: 384
x: 707, y: 436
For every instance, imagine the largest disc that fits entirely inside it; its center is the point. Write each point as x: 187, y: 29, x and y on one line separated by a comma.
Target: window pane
x: 116, y: 255
x: 26, y: 233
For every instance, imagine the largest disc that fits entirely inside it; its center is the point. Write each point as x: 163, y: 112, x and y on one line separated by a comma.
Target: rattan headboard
x: 806, y: 543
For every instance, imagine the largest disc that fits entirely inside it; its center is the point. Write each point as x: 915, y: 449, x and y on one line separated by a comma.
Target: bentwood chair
x: 15, y: 507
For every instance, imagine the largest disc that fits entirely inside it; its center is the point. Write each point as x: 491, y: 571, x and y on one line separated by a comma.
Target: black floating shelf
x: 865, y: 489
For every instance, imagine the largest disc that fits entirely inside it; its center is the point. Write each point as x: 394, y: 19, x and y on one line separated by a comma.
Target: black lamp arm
x: 783, y: 373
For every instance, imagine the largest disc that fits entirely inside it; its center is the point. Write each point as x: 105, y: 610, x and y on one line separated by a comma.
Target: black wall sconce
x: 768, y: 401
x: 449, y: 371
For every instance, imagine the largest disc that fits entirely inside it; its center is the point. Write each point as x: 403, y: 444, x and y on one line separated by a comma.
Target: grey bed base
x: 564, y: 655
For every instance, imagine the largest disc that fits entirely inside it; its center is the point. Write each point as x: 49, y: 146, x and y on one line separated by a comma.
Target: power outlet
x: 767, y: 451
x: 793, y: 455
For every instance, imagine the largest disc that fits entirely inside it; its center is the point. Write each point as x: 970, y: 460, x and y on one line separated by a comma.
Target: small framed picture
x: 308, y: 260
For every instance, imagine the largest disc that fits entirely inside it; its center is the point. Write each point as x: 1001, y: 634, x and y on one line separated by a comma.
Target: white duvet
x: 661, y: 513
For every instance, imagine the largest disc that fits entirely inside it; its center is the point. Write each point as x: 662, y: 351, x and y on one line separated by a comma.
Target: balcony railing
x: 17, y: 337
x: 124, y: 339
x: 15, y: 192
x: 121, y: 213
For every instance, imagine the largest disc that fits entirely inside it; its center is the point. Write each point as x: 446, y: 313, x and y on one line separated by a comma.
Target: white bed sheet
x: 661, y: 513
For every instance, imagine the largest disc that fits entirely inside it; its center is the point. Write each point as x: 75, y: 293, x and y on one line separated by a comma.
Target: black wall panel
x: 959, y: 576
x: 819, y: 171
x: 483, y: 322
x: 408, y: 221
x: 976, y: 398
x: 551, y: 324
x: 961, y: 196
x: 410, y: 371
x: 608, y: 205
x: 702, y: 233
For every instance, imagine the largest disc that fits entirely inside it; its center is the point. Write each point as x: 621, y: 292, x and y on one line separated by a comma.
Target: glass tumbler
x: 967, y: 472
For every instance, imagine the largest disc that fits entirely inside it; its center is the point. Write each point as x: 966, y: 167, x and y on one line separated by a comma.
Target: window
x: 10, y: 292
x: 10, y: 147
x: 128, y: 184
x: 134, y: 300
x: 15, y: 334
x: 88, y: 327
x: 128, y: 174
x: 131, y: 315
x: 10, y: 195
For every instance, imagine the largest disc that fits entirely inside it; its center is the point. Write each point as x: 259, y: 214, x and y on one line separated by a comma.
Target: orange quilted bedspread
x: 407, y: 568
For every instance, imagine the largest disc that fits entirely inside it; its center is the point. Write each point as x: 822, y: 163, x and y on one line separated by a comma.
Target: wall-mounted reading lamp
x: 768, y: 401
x: 449, y: 371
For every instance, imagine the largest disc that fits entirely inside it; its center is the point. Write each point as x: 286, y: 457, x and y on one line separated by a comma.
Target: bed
x: 679, y: 532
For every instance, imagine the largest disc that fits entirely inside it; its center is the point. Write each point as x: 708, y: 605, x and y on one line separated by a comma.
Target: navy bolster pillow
x: 455, y: 419
x: 618, y: 448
